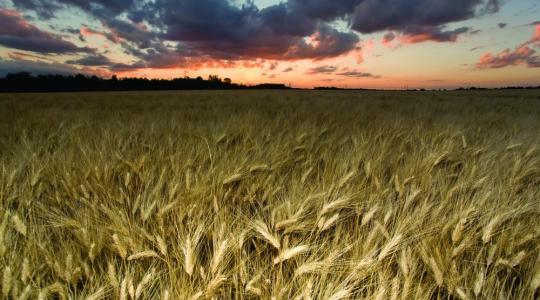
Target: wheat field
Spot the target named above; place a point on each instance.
(270, 195)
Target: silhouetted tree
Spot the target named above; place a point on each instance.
(214, 78)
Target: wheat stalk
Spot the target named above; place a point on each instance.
(124, 289)
(389, 247)
(25, 294)
(143, 254)
(490, 227)
(369, 215)
(143, 283)
(479, 284)
(218, 256)
(290, 253)
(6, 282)
(162, 245)
(119, 246)
(341, 294)
(19, 225)
(97, 294)
(215, 284)
(328, 223)
(232, 179)
(262, 229)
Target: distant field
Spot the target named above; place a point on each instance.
(270, 195)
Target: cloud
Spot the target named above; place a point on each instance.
(36, 67)
(388, 38)
(47, 8)
(414, 35)
(272, 66)
(44, 9)
(324, 43)
(129, 31)
(323, 9)
(536, 36)
(17, 33)
(417, 21)
(375, 15)
(345, 72)
(289, 69)
(87, 31)
(91, 60)
(322, 70)
(164, 33)
(358, 74)
(16, 55)
(521, 55)
(418, 34)
(220, 30)
(483, 46)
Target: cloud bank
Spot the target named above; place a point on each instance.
(188, 33)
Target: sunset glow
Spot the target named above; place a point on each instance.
(304, 43)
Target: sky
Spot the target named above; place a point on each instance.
(386, 44)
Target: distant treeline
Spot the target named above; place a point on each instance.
(26, 82)
(333, 88)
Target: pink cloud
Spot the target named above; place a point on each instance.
(536, 36)
(521, 55)
(86, 31)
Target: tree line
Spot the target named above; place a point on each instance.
(26, 82)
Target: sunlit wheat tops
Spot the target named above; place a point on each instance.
(270, 195)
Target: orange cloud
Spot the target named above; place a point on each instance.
(536, 36)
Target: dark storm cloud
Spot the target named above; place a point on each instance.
(129, 31)
(222, 30)
(327, 42)
(17, 33)
(375, 15)
(419, 20)
(323, 9)
(291, 30)
(47, 8)
(282, 20)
